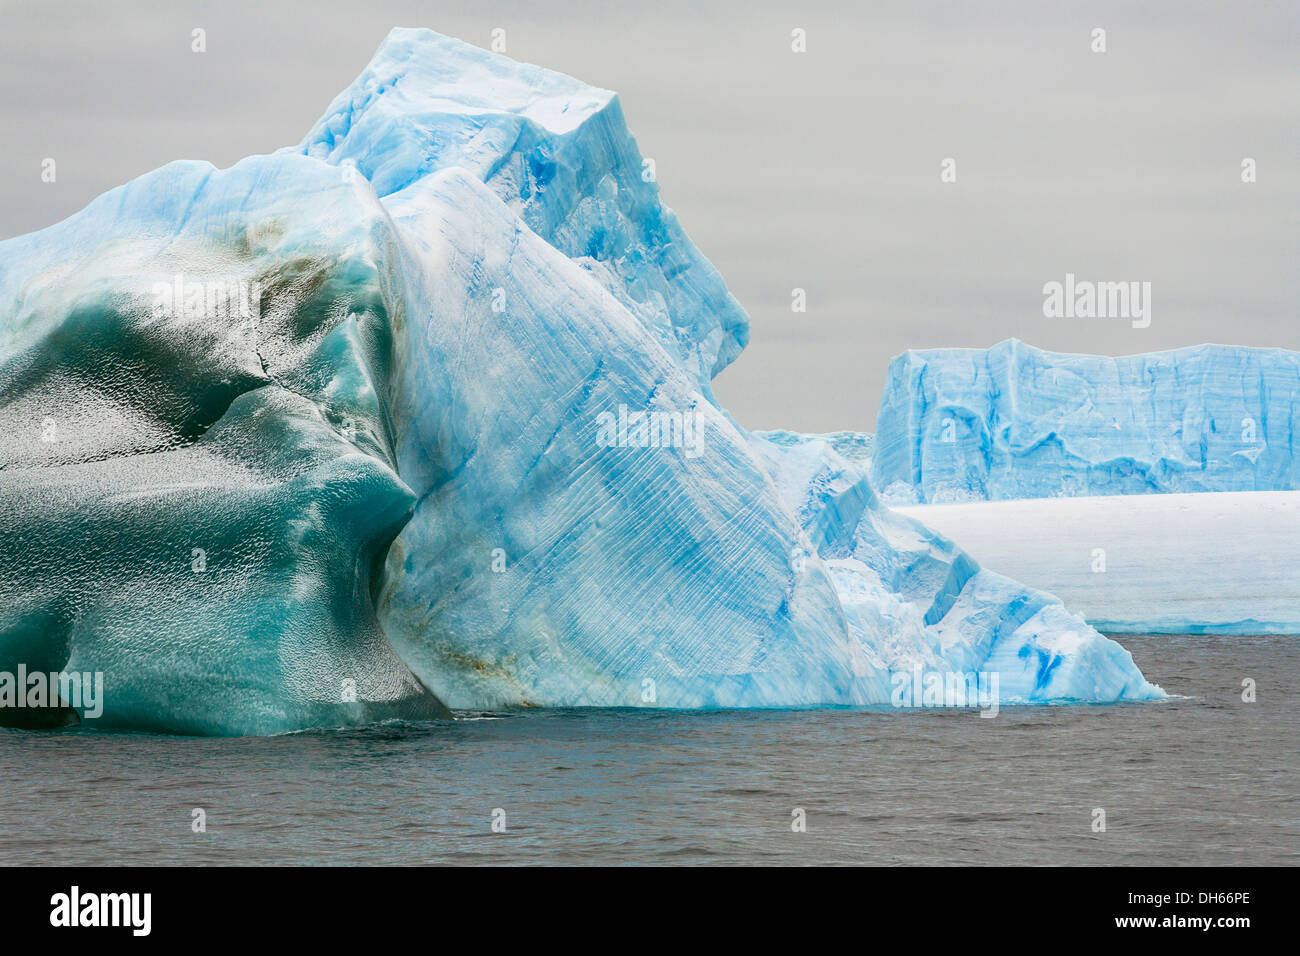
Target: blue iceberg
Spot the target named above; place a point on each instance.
(197, 482)
(1014, 422)
(417, 415)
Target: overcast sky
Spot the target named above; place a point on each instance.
(816, 170)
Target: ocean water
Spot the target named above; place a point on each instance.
(1204, 779)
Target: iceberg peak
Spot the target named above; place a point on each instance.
(557, 152)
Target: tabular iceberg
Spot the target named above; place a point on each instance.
(417, 414)
(1014, 421)
(1219, 562)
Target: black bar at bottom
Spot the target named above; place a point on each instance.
(650, 907)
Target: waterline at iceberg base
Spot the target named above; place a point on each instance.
(322, 439)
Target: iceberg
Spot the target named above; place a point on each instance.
(417, 415)
(197, 487)
(1015, 422)
(1149, 475)
(1220, 562)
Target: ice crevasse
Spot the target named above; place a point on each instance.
(417, 414)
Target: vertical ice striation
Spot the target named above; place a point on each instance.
(1014, 421)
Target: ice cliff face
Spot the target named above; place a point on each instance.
(419, 414)
(1017, 422)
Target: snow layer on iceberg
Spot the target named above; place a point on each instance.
(1013, 421)
(1146, 565)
